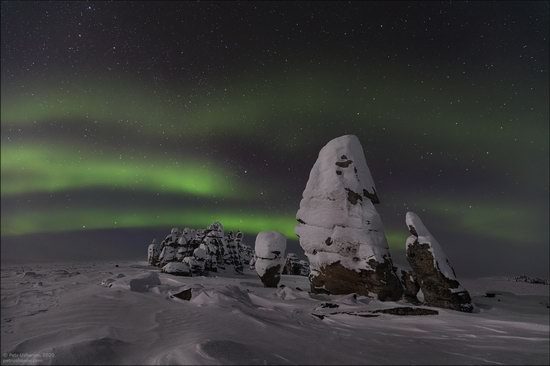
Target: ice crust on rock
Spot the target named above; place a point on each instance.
(434, 273)
(270, 256)
(339, 228)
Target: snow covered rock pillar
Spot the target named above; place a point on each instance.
(270, 257)
(433, 270)
(340, 230)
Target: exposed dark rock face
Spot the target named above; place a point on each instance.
(410, 285)
(434, 273)
(184, 295)
(272, 276)
(339, 280)
(407, 311)
(372, 196)
(295, 266)
(353, 197)
(340, 230)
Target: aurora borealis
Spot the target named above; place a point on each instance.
(146, 115)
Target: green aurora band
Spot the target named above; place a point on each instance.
(240, 109)
(365, 103)
(28, 168)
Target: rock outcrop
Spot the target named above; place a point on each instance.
(202, 251)
(270, 251)
(433, 271)
(339, 228)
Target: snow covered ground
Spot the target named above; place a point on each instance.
(98, 313)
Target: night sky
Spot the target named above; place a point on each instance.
(120, 120)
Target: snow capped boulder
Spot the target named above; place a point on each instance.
(435, 275)
(177, 268)
(153, 252)
(339, 228)
(270, 250)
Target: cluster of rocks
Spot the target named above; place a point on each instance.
(532, 280)
(197, 251)
(343, 237)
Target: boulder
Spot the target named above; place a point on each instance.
(270, 250)
(177, 268)
(435, 274)
(339, 228)
(153, 253)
